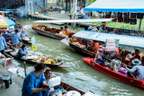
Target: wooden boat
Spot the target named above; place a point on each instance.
(49, 32)
(115, 75)
(33, 62)
(85, 52)
(28, 42)
(68, 87)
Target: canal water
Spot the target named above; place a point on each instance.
(77, 73)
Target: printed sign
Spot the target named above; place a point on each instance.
(111, 44)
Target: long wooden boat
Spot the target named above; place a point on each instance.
(82, 51)
(115, 75)
(30, 61)
(49, 32)
(68, 87)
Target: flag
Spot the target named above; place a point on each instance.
(34, 47)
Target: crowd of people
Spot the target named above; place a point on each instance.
(12, 38)
(119, 60)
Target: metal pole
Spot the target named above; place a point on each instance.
(25, 69)
(140, 25)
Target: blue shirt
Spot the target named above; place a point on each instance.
(140, 71)
(30, 82)
(22, 52)
(24, 34)
(15, 39)
(3, 43)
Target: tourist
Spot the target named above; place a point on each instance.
(136, 54)
(34, 84)
(137, 72)
(142, 60)
(22, 52)
(128, 58)
(136, 62)
(115, 64)
(99, 58)
(3, 44)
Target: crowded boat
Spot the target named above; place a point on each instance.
(118, 59)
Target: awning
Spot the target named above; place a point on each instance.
(75, 20)
(123, 39)
(135, 6)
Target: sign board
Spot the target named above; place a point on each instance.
(111, 44)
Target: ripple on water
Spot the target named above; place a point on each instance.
(85, 82)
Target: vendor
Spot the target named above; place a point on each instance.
(24, 34)
(3, 44)
(15, 38)
(22, 51)
(34, 82)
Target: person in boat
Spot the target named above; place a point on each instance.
(7, 35)
(99, 58)
(136, 54)
(61, 33)
(22, 52)
(136, 72)
(128, 58)
(115, 64)
(135, 62)
(35, 83)
(15, 39)
(67, 31)
(89, 45)
(3, 44)
(142, 60)
(93, 28)
(103, 27)
(24, 34)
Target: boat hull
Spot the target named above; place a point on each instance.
(115, 75)
(51, 32)
(31, 62)
(82, 51)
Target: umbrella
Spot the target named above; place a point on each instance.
(6, 22)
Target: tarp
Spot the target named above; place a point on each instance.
(132, 41)
(116, 6)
